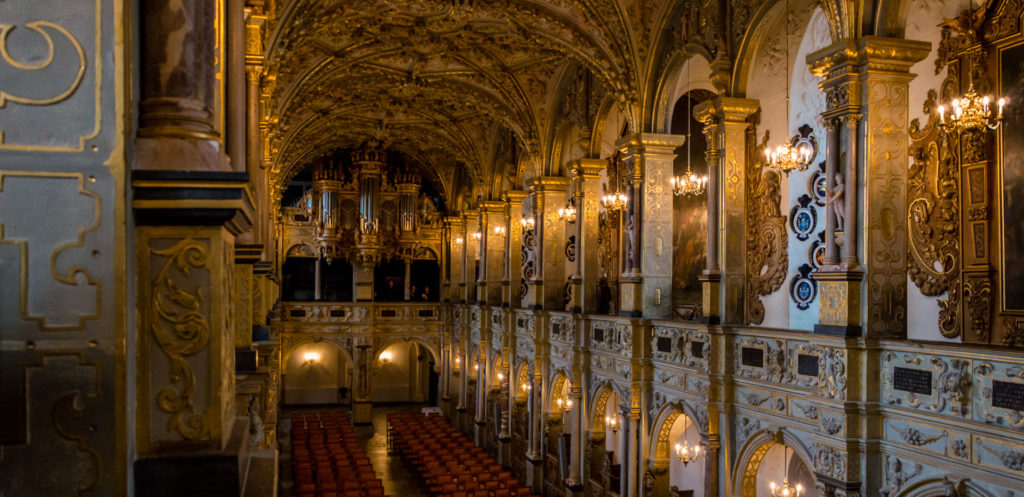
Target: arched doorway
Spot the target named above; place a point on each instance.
(402, 372)
(608, 422)
(317, 372)
(772, 457)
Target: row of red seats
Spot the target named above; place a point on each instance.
(446, 462)
(327, 460)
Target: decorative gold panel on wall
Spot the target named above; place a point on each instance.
(767, 240)
(63, 370)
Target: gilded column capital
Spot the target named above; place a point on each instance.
(588, 168)
(867, 54)
(548, 184)
(723, 110)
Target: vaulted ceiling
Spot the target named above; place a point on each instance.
(438, 80)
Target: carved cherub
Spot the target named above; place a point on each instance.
(834, 196)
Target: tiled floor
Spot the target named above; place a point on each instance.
(398, 481)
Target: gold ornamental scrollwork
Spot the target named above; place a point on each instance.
(38, 26)
(933, 217)
(767, 240)
(181, 331)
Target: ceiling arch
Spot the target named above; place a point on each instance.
(432, 78)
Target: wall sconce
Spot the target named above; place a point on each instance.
(499, 230)
(612, 422)
(501, 377)
(459, 240)
(525, 387)
(311, 358)
(528, 223)
(476, 236)
(385, 357)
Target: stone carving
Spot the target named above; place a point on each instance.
(832, 379)
(767, 240)
(831, 425)
(933, 216)
(897, 474)
(916, 437)
(745, 427)
(181, 329)
(830, 461)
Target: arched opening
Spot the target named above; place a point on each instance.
(773, 458)
(685, 477)
(336, 283)
(689, 212)
(403, 372)
(389, 281)
(317, 372)
(425, 278)
(298, 279)
(608, 423)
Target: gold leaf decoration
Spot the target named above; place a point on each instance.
(181, 331)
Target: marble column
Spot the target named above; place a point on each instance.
(511, 286)
(483, 379)
(180, 107)
(471, 255)
(586, 271)
(646, 283)
(575, 480)
(408, 280)
(725, 121)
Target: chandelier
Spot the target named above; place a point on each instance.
(612, 422)
(689, 183)
(971, 113)
(564, 404)
(684, 452)
(615, 201)
(568, 213)
(786, 490)
(788, 156)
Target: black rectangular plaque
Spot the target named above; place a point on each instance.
(1008, 395)
(388, 313)
(520, 323)
(697, 349)
(337, 313)
(807, 365)
(912, 380)
(753, 357)
(297, 313)
(598, 334)
(426, 313)
(665, 345)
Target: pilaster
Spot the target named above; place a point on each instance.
(586, 192)
(546, 253)
(725, 121)
(492, 256)
(866, 83)
(512, 283)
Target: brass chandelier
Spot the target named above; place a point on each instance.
(786, 489)
(971, 112)
(684, 452)
(788, 156)
(688, 184)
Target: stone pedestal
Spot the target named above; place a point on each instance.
(362, 413)
(839, 311)
(535, 474)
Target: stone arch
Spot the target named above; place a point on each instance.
(753, 452)
(607, 128)
(672, 85)
(762, 25)
(931, 487)
(601, 395)
(662, 427)
(300, 250)
(559, 379)
(300, 342)
(387, 343)
(524, 376)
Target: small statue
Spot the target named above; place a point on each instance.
(255, 423)
(834, 196)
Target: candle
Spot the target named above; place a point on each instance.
(1002, 102)
(942, 113)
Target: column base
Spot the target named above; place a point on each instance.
(210, 474)
(711, 288)
(535, 473)
(631, 296)
(839, 311)
(362, 413)
(534, 298)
